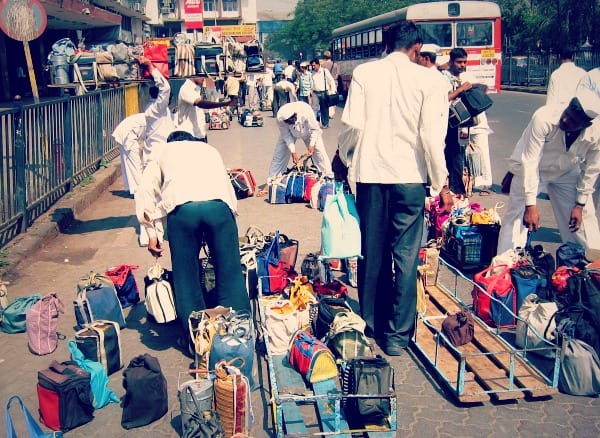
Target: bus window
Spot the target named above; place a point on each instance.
(474, 33)
(437, 33)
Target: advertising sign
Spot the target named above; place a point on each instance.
(193, 18)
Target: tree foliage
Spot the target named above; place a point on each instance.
(527, 24)
(310, 29)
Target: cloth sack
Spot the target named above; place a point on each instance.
(579, 368)
(539, 316)
(340, 229)
(125, 284)
(14, 315)
(102, 394)
(41, 321)
(146, 396)
(459, 327)
(281, 321)
(346, 337)
(202, 424)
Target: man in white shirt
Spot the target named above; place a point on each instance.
(296, 120)
(159, 120)
(130, 135)
(323, 84)
(559, 147)
(199, 204)
(284, 92)
(191, 106)
(392, 142)
(289, 72)
(564, 80)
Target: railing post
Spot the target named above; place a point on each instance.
(19, 166)
(100, 125)
(527, 71)
(510, 66)
(68, 145)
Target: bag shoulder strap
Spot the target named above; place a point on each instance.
(33, 429)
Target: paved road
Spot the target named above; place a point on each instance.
(104, 235)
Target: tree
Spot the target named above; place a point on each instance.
(314, 20)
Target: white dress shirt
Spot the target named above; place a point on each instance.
(563, 83)
(130, 132)
(306, 126)
(159, 121)
(190, 118)
(541, 155)
(185, 171)
(397, 123)
(322, 79)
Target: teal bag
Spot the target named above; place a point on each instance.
(340, 228)
(13, 316)
(102, 394)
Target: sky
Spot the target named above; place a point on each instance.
(275, 9)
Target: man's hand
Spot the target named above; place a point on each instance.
(531, 218)
(295, 157)
(311, 150)
(154, 247)
(465, 86)
(145, 62)
(576, 218)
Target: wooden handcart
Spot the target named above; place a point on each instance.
(489, 366)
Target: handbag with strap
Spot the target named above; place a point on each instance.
(14, 315)
(340, 229)
(495, 281)
(332, 99)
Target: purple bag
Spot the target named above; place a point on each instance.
(41, 322)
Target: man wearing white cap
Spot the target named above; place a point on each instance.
(560, 147)
(297, 120)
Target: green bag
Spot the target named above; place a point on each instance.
(13, 317)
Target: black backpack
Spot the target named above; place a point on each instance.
(146, 398)
(327, 307)
(476, 100)
(367, 375)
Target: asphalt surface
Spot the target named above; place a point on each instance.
(94, 228)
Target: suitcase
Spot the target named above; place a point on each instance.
(243, 183)
(97, 300)
(250, 118)
(87, 68)
(100, 341)
(65, 396)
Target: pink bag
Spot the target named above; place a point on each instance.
(41, 322)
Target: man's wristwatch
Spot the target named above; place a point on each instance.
(579, 204)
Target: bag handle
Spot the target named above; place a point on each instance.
(34, 430)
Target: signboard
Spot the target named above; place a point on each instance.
(247, 30)
(23, 20)
(193, 17)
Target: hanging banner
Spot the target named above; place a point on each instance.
(248, 30)
(192, 10)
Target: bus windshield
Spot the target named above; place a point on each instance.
(437, 33)
(474, 33)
